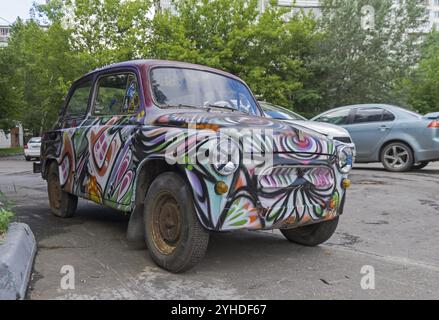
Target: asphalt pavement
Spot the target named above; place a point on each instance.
(389, 231)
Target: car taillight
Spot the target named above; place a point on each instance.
(434, 124)
(25, 146)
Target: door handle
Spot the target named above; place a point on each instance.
(384, 128)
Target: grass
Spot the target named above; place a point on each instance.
(10, 151)
(5, 216)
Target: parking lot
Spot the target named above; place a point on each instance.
(391, 223)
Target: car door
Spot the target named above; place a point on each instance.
(368, 128)
(110, 172)
(67, 139)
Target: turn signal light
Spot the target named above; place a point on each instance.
(221, 187)
(346, 183)
(434, 124)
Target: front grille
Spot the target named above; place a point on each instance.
(343, 139)
(281, 177)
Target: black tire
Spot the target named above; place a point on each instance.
(28, 158)
(420, 165)
(397, 157)
(175, 238)
(62, 204)
(311, 235)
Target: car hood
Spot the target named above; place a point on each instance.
(286, 135)
(323, 128)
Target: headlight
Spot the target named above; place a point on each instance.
(345, 158)
(225, 158)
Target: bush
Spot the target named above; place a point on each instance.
(5, 216)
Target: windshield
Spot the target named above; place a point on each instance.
(35, 140)
(196, 88)
(279, 113)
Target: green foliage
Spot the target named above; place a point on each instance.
(356, 65)
(421, 88)
(303, 63)
(265, 50)
(5, 216)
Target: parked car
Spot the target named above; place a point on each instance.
(32, 148)
(399, 138)
(280, 113)
(125, 139)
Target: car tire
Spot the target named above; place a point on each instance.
(175, 238)
(28, 158)
(311, 235)
(62, 204)
(420, 165)
(397, 157)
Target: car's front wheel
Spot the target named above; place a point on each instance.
(28, 158)
(62, 204)
(312, 235)
(175, 238)
(397, 157)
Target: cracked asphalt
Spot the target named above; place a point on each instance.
(391, 222)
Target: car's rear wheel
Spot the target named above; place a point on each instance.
(312, 235)
(28, 158)
(62, 204)
(420, 165)
(397, 157)
(175, 238)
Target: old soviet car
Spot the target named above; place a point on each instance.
(126, 138)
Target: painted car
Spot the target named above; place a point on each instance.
(401, 139)
(280, 113)
(185, 150)
(32, 148)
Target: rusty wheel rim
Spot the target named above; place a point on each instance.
(166, 223)
(54, 191)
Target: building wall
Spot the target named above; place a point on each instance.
(4, 35)
(12, 139)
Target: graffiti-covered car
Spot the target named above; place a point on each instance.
(183, 149)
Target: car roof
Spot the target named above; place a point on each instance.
(151, 63)
(395, 109)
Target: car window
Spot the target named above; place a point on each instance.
(78, 103)
(368, 115)
(388, 116)
(35, 140)
(116, 95)
(337, 117)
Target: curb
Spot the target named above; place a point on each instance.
(17, 255)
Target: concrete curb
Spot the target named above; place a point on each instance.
(17, 255)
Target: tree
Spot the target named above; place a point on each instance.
(421, 88)
(359, 62)
(267, 51)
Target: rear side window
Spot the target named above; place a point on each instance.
(368, 115)
(338, 117)
(116, 95)
(78, 103)
(388, 116)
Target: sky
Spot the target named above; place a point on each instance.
(11, 9)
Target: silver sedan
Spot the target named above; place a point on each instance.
(399, 138)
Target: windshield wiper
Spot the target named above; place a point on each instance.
(222, 107)
(180, 105)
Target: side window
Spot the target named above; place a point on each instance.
(116, 95)
(78, 102)
(339, 117)
(368, 115)
(388, 116)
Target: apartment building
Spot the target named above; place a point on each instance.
(5, 32)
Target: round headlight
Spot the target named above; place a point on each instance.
(225, 158)
(345, 158)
